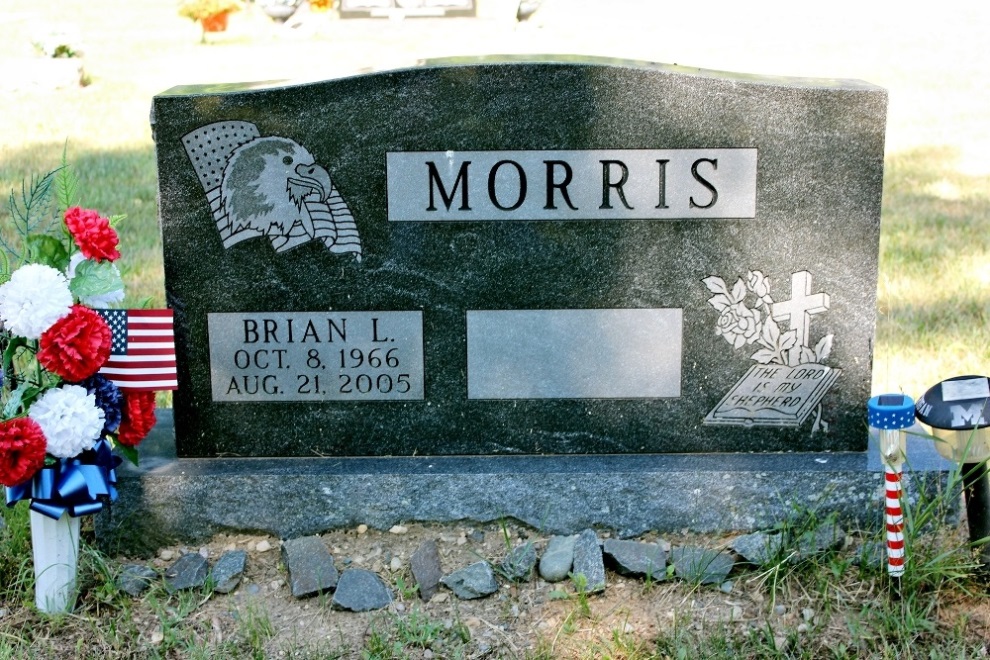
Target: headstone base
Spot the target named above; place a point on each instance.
(169, 500)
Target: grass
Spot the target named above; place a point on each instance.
(831, 603)
(107, 622)
(934, 271)
(394, 637)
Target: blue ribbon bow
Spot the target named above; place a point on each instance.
(79, 485)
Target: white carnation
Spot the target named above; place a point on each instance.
(35, 297)
(102, 300)
(70, 419)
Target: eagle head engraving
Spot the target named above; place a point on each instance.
(266, 182)
(269, 186)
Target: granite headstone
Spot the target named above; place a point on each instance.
(543, 256)
(399, 9)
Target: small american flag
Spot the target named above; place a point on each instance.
(142, 352)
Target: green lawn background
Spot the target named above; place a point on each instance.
(935, 245)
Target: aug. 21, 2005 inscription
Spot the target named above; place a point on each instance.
(316, 356)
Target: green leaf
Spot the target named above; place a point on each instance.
(31, 392)
(14, 403)
(66, 184)
(95, 279)
(8, 354)
(117, 219)
(47, 250)
(130, 453)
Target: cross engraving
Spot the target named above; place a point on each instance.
(798, 310)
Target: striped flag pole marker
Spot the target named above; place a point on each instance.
(894, 517)
(891, 415)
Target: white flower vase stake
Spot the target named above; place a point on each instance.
(55, 544)
(54, 397)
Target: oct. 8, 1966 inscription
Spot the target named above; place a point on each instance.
(316, 356)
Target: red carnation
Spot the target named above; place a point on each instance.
(22, 450)
(95, 237)
(138, 417)
(77, 345)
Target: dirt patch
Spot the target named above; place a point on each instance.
(518, 620)
(824, 606)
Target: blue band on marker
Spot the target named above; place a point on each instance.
(891, 412)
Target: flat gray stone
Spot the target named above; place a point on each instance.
(588, 561)
(557, 559)
(135, 579)
(474, 581)
(518, 565)
(310, 566)
(759, 548)
(188, 572)
(426, 569)
(827, 536)
(228, 570)
(359, 590)
(636, 559)
(701, 565)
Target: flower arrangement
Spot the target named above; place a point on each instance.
(197, 10)
(60, 417)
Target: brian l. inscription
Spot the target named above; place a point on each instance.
(312, 356)
(630, 184)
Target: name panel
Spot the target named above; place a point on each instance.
(316, 356)
(574, 354)
(630, 184)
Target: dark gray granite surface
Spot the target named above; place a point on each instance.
(813, 238)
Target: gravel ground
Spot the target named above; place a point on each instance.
(517, 620)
